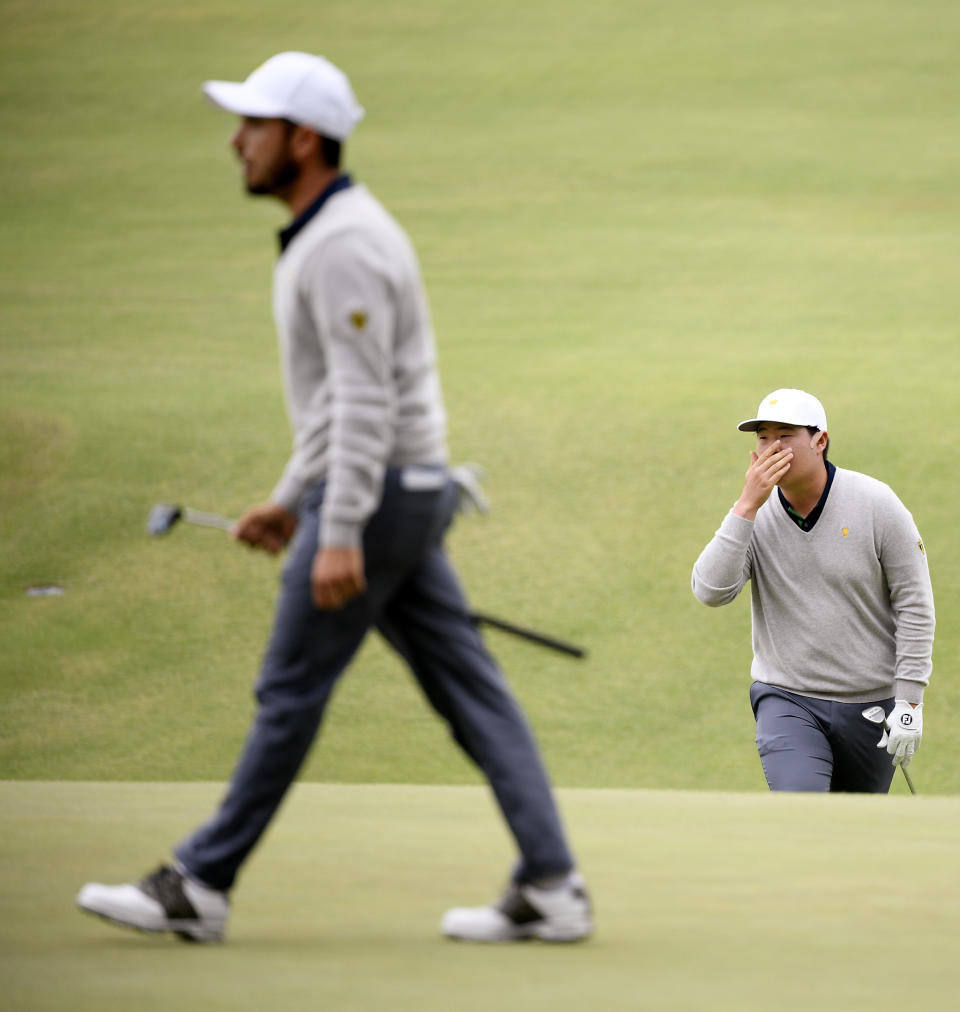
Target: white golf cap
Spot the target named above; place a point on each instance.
(792, 407)
(304, 89)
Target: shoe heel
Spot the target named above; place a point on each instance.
(572, 929)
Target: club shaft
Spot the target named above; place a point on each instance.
(903, 769)
(480, 618)
(206, 519)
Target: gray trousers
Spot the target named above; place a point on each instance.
(414, 599)
(808, 744)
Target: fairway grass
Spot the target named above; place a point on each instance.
(720, 901)
(633, 220)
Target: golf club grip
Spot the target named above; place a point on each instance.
(481, 618)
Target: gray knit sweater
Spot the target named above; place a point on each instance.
(844, 611)
(359, 365)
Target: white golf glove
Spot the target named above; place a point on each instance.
(904, 728)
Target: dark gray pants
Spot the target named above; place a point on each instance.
(414, 599)
(808, 744)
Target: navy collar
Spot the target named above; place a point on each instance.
(286, 235)
(806, 523)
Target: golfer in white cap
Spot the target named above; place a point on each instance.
(363, 504)
(842, 606)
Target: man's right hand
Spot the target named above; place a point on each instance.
(763, 475)
(904, 729)
(269, 526)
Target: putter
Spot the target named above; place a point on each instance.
(164, 517)
(876, 716)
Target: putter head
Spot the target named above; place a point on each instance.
(162, 518)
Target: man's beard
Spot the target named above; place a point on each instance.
(279, 178)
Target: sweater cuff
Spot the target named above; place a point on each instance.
(911, 691)
(288, 493)
(339, 534)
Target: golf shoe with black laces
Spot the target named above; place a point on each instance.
(166, 900)
(561, 913)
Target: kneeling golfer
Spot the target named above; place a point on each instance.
(363, 504)
(841, 600)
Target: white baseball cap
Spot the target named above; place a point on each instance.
(792, 407)
(304, 89)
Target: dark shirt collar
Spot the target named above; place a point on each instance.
(286, 235)
(806, 523)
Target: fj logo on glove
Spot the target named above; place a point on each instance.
(906, 719)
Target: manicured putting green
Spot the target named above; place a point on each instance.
(719, 901)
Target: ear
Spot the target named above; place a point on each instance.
(304, 144)
(819, 441)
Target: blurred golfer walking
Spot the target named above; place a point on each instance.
(363, 505)
(843, 612)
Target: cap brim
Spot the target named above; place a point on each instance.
(752, 424)
(237, 97)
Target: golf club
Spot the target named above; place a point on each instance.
(876, 716)
(164, 517)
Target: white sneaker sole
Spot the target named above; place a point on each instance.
(457, 926)
(190, 930)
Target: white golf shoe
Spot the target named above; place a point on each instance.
(558, 914)
(166, 900)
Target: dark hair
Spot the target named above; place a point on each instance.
(331, 151)
(813, 430)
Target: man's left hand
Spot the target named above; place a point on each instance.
(337, 577)
(904, 730)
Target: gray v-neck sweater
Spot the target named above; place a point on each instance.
(359, 362)
(844, 611)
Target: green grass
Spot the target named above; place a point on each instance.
(737, 902)
(634, 219)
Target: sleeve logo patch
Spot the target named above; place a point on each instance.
(844, 531)
(923, 550)
(358, 318)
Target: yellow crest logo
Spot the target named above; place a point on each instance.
(359, 319)
(923, 550)
(845, 531)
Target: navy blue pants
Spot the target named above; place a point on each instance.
(414, 599)
(808, 744)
